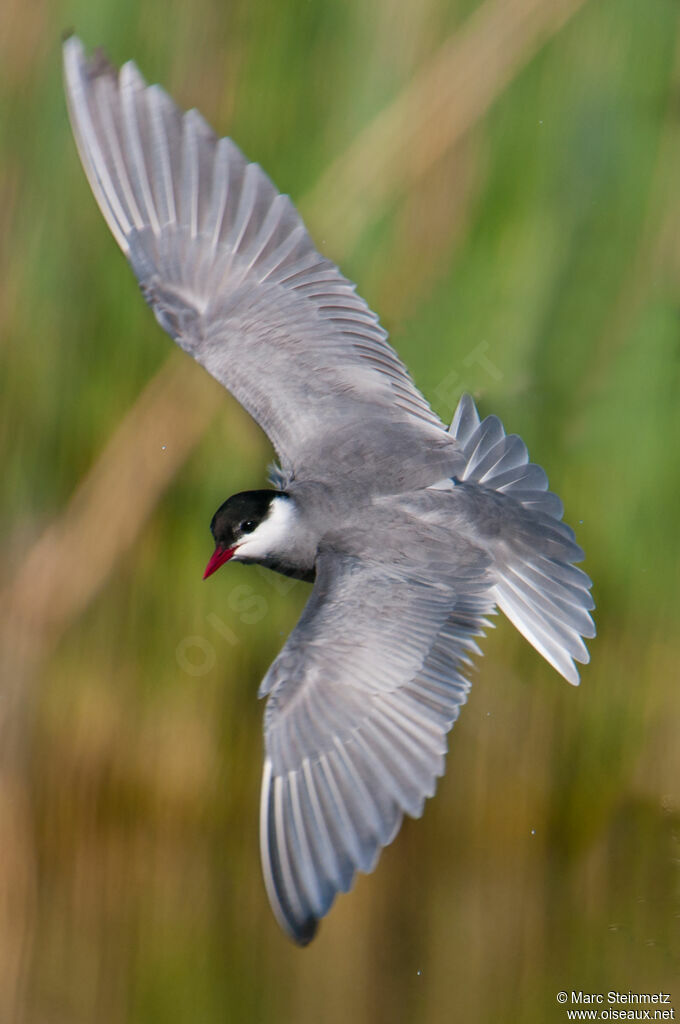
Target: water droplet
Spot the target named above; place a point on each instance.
(163, 447)
(533, 831)
(419, 972)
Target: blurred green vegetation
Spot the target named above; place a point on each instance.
(536, 264)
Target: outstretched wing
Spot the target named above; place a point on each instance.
(360, 701)
(229, 269)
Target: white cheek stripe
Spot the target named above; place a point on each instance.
(272, 534)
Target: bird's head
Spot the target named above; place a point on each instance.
(249, 527)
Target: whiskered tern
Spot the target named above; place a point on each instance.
(412, 533)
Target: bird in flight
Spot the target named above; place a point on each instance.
(411, 532)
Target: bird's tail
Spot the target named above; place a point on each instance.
(537, 587)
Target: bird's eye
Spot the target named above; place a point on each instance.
(248, 526)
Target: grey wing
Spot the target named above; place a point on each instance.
(228, 267)
(361, 699)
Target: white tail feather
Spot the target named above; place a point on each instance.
(539, 590)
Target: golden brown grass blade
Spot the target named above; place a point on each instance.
(447, 98)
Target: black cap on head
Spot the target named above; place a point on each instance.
(240, 515)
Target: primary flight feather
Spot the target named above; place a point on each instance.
(411, 533)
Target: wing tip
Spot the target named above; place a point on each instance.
(75, 58)
(572, 675)
(304, 933)
(300, 930)
(70, 42)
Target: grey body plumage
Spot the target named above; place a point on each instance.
(413, 534)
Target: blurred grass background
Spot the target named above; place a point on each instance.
(501, 180)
